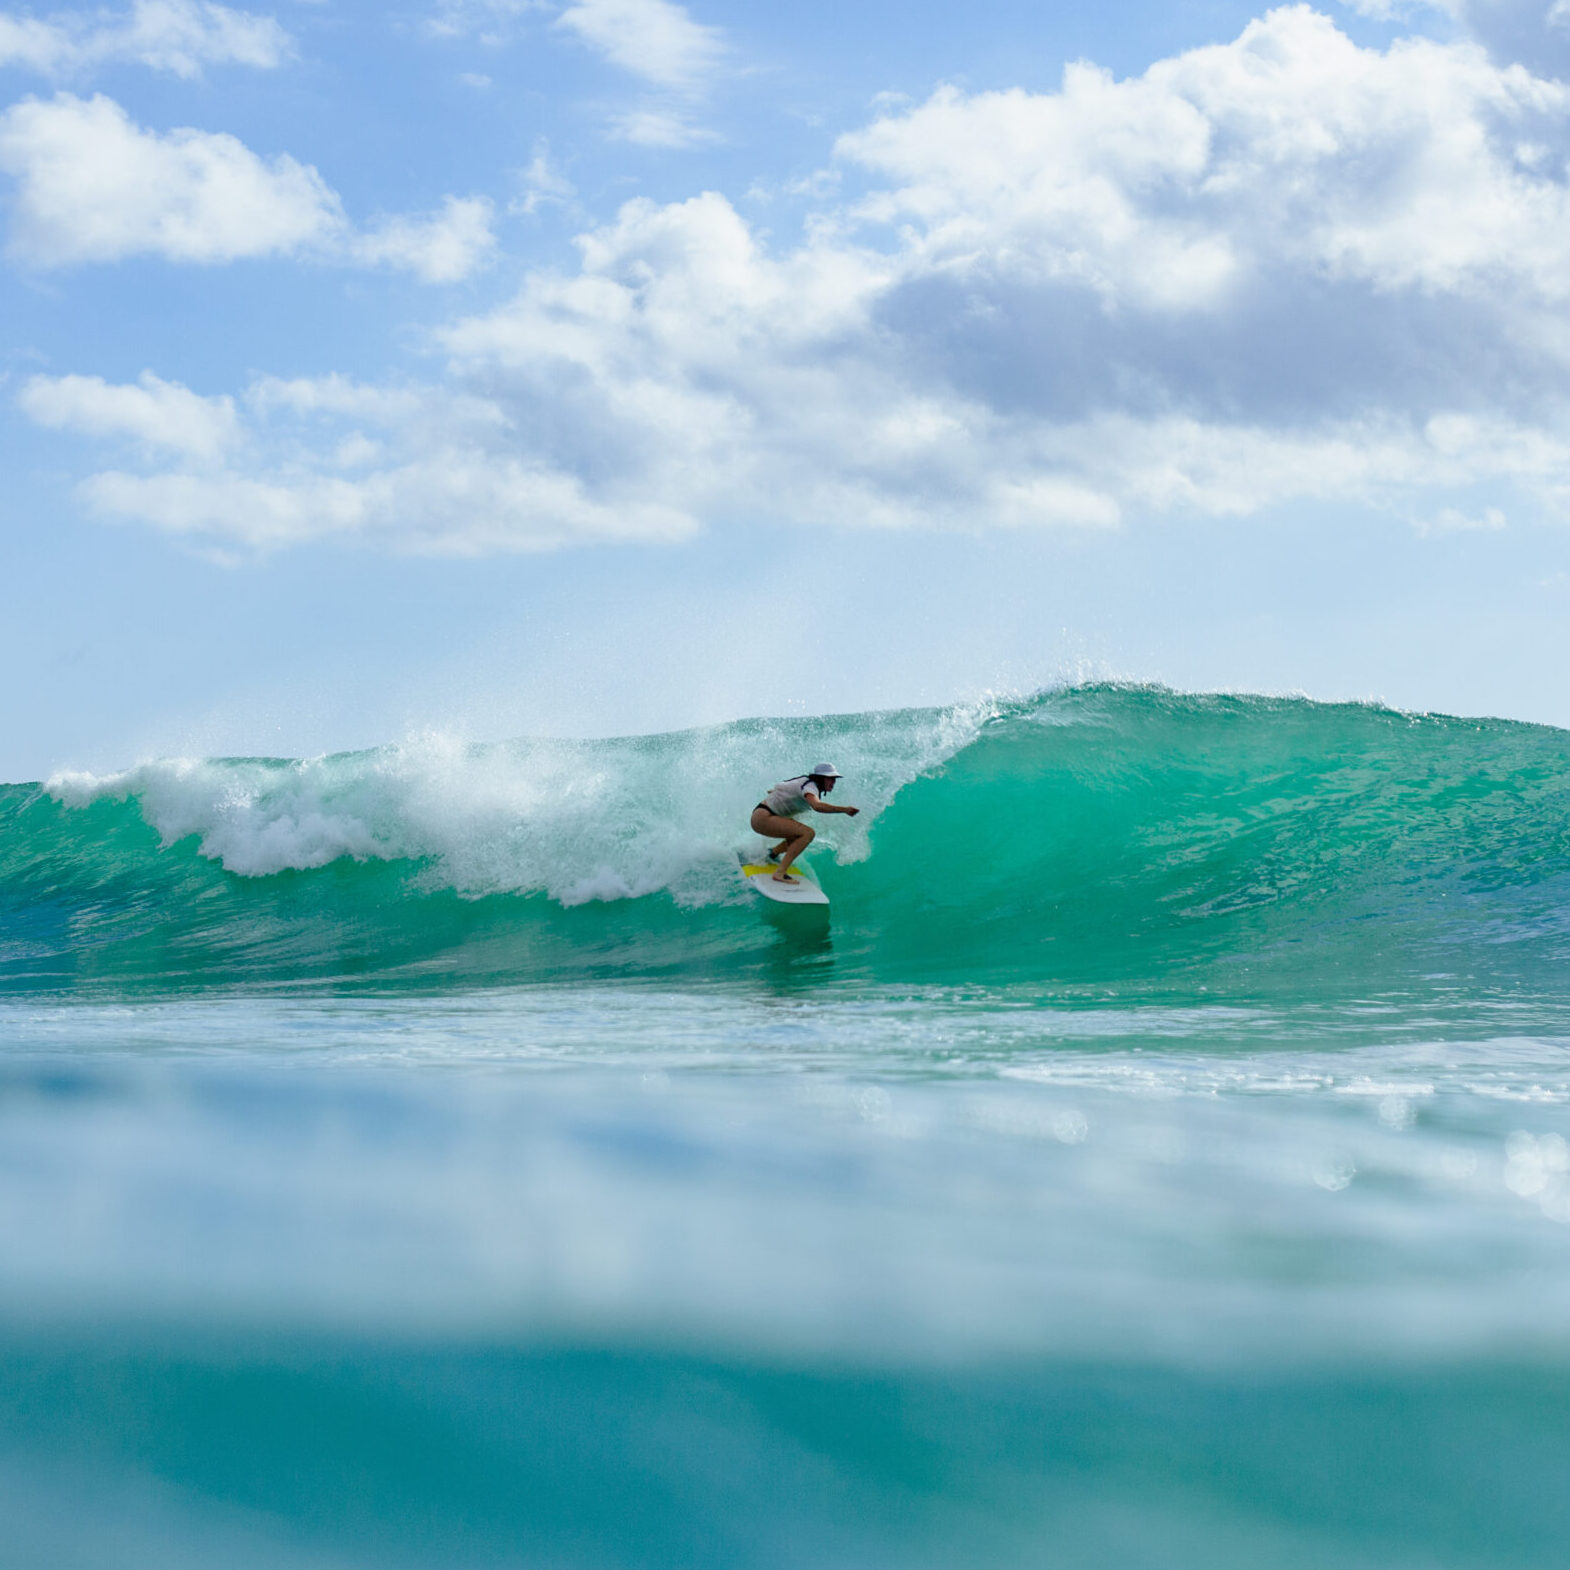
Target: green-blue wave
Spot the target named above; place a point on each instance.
(1095, 839)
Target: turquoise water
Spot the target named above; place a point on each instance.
(436, 1157)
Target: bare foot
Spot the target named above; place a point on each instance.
(784, 877)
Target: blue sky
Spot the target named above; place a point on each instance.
(612, 365)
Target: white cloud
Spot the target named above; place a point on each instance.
(652, 39)
(448, 503)
(334, 396)
(1451, 520)
(656, 41)
(158, 413)
(28, 42)
(411, 469)
(440, 247)
(542, 182)
(181, 36)
(1283, 268)
(1290, 147)
(660, 43)
(92, 186)
(659, 128)
(493, 22)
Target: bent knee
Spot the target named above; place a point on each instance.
(807, 831)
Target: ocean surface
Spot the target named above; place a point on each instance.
(1156, 1160)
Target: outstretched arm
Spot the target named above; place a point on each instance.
(819, 805)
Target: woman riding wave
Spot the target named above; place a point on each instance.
(775, 816)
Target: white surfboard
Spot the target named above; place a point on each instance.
(804, 891)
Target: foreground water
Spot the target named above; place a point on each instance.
(1160, 1158)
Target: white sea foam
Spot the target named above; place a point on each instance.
(576, 820)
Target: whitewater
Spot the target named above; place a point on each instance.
(436, 1156)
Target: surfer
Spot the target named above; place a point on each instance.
(775, 816)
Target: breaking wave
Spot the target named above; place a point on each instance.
(1090, 838)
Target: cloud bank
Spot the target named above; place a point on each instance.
(1278, 269)
(292, 461)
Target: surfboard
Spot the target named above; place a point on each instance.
(760, 874)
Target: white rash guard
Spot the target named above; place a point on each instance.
(789, 798)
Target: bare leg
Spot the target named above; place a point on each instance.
(793, 838)
(802, 838)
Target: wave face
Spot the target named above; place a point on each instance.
(1099, 839)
